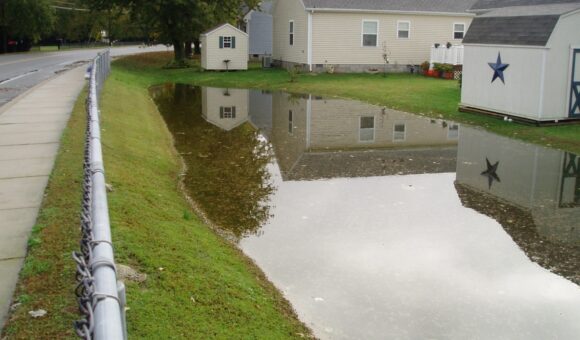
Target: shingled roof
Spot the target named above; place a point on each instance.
(491, 4)
(433, 6)
(518, 25)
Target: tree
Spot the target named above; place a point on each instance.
(24, 20)
(181, 21)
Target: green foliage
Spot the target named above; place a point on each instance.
(294, 72)
(425, 65)
(26, 19)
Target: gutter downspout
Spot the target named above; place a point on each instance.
(309, 49)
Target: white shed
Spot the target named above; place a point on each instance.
(224, 48)
(225, 108)
(523, 61)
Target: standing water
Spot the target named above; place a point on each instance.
(377, 224)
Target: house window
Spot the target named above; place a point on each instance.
(403, 29)
(367, 129)
(291, 30)
(227, 42)
(290, 122)
(453, 132)
(399, 133)
(227, 112)
(370, 31)
(458, 31)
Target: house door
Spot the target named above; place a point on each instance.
(575, 91)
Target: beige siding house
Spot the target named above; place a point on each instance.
(224, 48)
(354, 36)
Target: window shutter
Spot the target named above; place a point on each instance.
(233, 112)
(233, 42)
(221, 42)
(221, 111)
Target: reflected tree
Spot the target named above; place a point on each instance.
(227, 172)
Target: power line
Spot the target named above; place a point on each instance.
(71, 8)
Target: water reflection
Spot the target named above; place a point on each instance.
(536, 200)
(385, 224)
(226, 162)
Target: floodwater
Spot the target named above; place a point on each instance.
(377, 224)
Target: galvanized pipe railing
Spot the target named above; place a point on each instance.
(101, 297)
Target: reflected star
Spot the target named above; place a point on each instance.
(491, 172)
(498, 69)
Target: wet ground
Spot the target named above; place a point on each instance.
(377, 224)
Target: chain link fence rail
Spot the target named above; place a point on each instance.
(100, 296)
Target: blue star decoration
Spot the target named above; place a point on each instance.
(491, 172)
(498, 69)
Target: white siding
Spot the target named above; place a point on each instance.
(212, 56)
(557, 81)
(284, 11)
(337, 37)
(521, 93)
(215, 98)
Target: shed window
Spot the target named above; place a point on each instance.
(291, 32)
(367, 129)
(458, 31)
(370, 31)
(227, 42)
(227, 112)
(403, 29)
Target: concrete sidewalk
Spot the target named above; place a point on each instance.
(30, 130)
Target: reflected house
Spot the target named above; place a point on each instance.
(261, 111)
(225, 108)
(535, 195)
(317, 137)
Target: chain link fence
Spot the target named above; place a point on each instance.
(101, 297)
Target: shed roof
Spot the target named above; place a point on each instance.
(491, 4)
(433, 6)
(215, 28)
(529, 25)
(532, 30)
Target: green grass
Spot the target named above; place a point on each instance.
(416, 94)
(199, 286)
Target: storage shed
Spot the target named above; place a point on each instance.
(523, 60)
(224, 48)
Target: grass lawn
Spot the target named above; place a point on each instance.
(416, 94)
(198, 287)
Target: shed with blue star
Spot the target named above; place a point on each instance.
(522, 60)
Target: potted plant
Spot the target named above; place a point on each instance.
(438, 68)
(447, 70)
(425, 67)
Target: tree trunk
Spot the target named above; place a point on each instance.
(188, 51)
(3, 28)
(197, 46)
(178, 52)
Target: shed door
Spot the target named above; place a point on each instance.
(575, 91)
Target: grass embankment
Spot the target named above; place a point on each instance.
(417, 94)
(198, 287)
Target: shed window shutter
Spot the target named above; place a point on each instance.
(233, 42)
(221, 111)
(233, 112)
(221, 42)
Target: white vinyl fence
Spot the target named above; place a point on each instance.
(443, 55)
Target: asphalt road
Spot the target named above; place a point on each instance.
(22, 71)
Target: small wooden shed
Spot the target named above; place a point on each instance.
(523, 61)
(224, 48)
